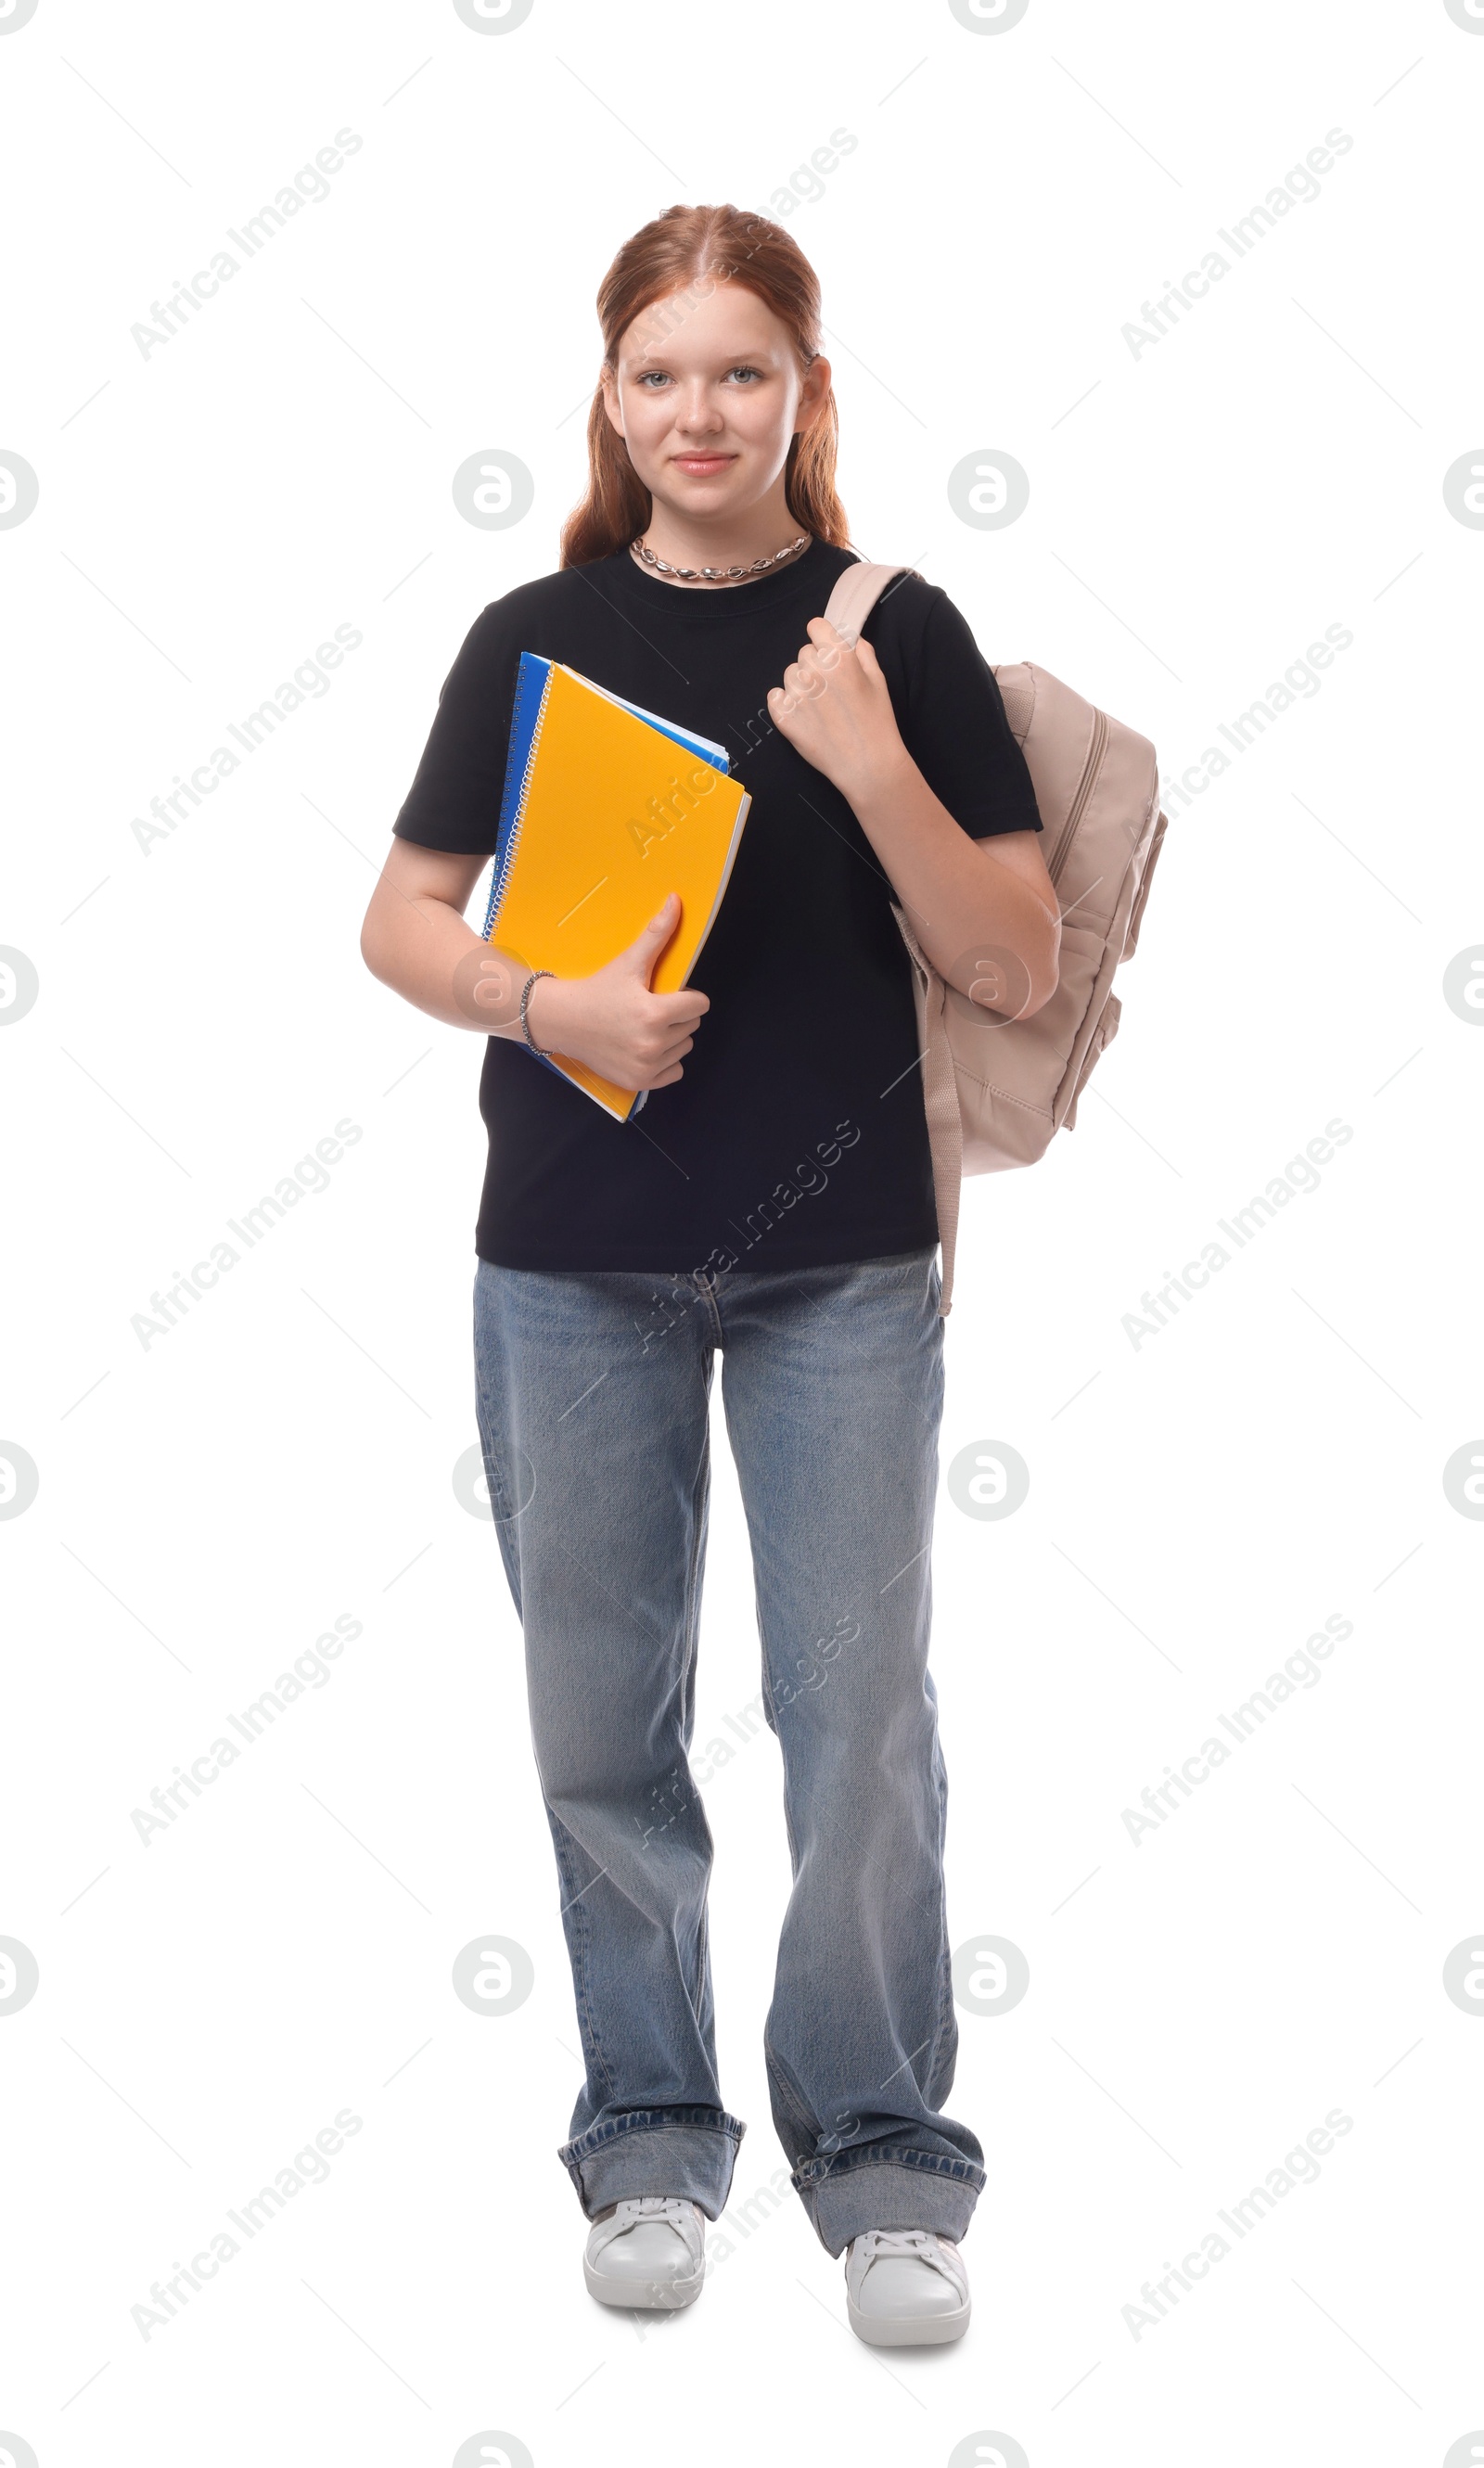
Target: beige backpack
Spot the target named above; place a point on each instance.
(994, 1091)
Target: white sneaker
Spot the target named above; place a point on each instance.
(905, 2288)
(647, 2253)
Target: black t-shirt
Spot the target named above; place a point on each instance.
(795, 1136)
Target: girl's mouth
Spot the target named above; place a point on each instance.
(703, 466)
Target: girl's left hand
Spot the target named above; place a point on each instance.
(834, 705)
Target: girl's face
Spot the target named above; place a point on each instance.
(709, 396)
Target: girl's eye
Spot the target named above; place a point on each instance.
(654, 377)
(744, 372)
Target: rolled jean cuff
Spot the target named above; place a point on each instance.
(685, 2152)
(910, 2192)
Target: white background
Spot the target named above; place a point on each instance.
(1197, 1506)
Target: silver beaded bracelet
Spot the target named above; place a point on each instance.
(525, 997)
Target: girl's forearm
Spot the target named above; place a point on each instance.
(418, 944)
(958, 897)
(425, 951)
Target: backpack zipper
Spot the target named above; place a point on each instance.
(1083, 792)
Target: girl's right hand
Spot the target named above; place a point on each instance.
(612, 1022)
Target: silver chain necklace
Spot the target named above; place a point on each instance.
(716, 573)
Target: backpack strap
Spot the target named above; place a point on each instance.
(857, 593)
(851, 603)
(940, 1101)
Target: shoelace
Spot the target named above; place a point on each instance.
(914, 2243)
(675, 2213)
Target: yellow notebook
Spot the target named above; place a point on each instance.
(607, 808)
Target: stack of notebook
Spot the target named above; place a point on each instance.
(606, 810)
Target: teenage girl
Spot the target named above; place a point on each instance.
(772, 1200)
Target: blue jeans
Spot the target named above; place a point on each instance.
(593, 1391)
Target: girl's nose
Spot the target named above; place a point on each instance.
(696, 409)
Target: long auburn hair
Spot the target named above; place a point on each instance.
(688, 250)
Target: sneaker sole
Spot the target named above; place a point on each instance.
(643, 2296)
(909, 2330)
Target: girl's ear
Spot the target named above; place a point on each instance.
(611, 403)
(812, 393)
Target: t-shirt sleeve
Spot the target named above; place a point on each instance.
(953, 723)
(454, 801)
